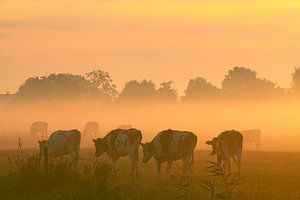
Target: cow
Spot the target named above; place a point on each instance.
(60, 143)
(91, 129)
(252, 136)
(39, 127)
(227, 145)
(169, 146)
(119, 143)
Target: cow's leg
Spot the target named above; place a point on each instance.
(225, 167)
(191, 161)
(113, 161)
(239, 161)
(158, 166)
(226, 154)
(133, 164)
(73, 159)
(72, 155)
(136, 154)
(187, 169)
(169, 166)
(186, 163)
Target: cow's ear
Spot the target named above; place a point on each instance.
(40, 141)
(208, 142)
(142, 145)
(94, 140)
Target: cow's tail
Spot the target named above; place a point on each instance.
(78, 146)
(193, 157)
(239, 148)
(239, 143)
(193, 152)
(138, 146)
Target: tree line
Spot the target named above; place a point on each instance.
(239, 83)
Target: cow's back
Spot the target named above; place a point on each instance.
(134, 136)
(232, 140)
(123, 141)
(62, 140)
(173, 145)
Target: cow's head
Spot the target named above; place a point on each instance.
(213, 143)
(100, 146)
(148, 151)
(42, 147)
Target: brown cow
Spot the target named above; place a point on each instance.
(227, 144)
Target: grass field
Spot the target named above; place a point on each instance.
(265, 175)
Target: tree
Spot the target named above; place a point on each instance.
(167, 92)
(56, 87)
(200, 89)
(296, 80)
(135, 90)
(243, 82)
(102, 80)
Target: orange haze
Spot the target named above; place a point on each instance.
(279, 124)
(158, 40)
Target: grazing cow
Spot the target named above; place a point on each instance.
(39, 128)
(171, 145)
(227, 144)
(252, 136)
(118, 143)
(91, 129)
(60, 143)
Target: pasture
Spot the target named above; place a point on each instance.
(265, 175)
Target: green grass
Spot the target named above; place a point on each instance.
(265, 175)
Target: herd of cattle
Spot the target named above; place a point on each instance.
(167, 146)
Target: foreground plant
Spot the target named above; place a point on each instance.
(219, 185)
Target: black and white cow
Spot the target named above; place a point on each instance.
(118, 143)
(60, 143)
(171, 145)
(227, 145)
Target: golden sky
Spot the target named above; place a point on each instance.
(158, 40)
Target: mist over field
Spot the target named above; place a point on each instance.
(277, 120)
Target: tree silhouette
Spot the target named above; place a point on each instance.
(135, 90)
(243, 82)
(102, 80)
(166, 92)
(296, 81)
(200, 89)
(56, 87)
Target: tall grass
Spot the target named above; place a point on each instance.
(219, 185)
(25, 178)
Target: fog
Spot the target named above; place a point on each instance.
(278, 121)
